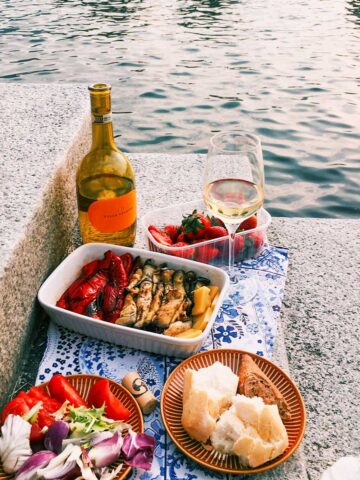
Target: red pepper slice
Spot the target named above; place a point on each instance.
(36, 433)
(90, 268)
(38, 394)
(127, 261)
(101, 394)
(61, 389)
(16, 406)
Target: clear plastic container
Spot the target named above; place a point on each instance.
(248, 244)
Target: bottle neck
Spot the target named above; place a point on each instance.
(102, 128)
(103, 136)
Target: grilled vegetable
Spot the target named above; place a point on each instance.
(128, 312)
(134, 280)
(178, 327)
(156, 301)
(143, 303)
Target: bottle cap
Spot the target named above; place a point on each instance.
(99, 87)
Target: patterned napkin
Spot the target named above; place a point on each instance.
(251, 327)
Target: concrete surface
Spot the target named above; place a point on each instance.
(320, 328)
(44, 133)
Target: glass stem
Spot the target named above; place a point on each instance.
(231, 228)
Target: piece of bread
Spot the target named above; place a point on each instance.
(252, 430)
(207, 393)
(254, 383)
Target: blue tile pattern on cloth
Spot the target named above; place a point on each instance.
(251, 327)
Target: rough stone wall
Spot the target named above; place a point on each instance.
(44, 132)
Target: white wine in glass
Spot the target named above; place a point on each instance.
(233, 188)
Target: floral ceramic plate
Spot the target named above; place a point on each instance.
(171, 410)
(83, 384)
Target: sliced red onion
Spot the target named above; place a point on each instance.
(62, 465)
(28, 471)
(54, 437)
(107, 451)
(107, 474)
(138, 449)
(100, 437)
(85, 465)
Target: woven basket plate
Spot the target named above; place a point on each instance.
(83, 384)
(171, 410)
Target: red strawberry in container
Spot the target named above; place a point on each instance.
(183, 253)
(258, 238)
(206, 253)
(160, 236)
(172, 231)
(240, 252)
(248, 224)
(195, 226)
(216, 232)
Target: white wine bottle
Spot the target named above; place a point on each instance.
(105, 180)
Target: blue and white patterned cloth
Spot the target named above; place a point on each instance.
(251, 327)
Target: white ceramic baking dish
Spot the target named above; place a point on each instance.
(69, 270)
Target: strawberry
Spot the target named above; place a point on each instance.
(195, 225)
(206, 253)
(216, 232)
(239, 247)
(216, 222)
(180, 237)
(159, 236)
(248, 224)
(186, 253)
(172, 231)
(257, 238)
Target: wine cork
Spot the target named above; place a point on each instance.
(140, 391)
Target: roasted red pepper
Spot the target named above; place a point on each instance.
(90, 268)
(100, 394)
(114, 291)
(127, 261)
(87, 292)
(99, 292)
(61, 389)
(94, 310)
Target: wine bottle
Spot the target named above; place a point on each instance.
(105, 180)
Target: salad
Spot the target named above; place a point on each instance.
(62, 437)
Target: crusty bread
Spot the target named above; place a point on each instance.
(207, 393)
(252, 430)
(254, 383)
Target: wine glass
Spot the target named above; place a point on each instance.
(233, 189)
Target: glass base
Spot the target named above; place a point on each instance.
(246, 288)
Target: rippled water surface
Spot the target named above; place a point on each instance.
(184, 69)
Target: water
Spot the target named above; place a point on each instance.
(182, 70)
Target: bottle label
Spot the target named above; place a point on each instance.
(101, 119)
(114, 214)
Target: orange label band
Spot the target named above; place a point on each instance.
(115, 214)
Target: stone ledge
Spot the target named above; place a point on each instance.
(45, 131)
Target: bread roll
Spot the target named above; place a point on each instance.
(254, 383)
(207, 393)
(252, 430)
